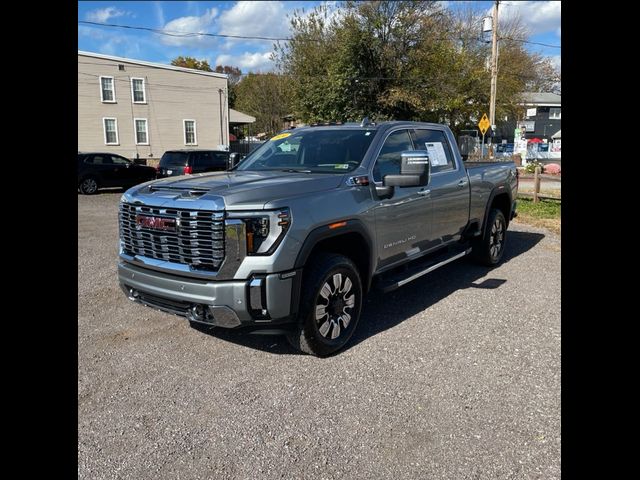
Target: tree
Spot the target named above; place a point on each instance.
(406, 60)
(235, 75)
(190, 62)
(266, 97)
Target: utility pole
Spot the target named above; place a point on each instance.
(494, 66)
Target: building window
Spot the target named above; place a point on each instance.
(110, 131)
(107, 90)
(190, 137)
(554, 114)
(137, 90)
(142, 136)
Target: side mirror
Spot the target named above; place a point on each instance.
(415, 170)
(234, 159)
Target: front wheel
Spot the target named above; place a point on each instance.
(330, 304)
(489, 248)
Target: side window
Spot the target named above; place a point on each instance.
(219, 159)
(388, 162)
(198, 160)
(96, 160)
(435, 142)
(119, 160)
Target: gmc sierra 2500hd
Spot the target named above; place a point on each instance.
(291, 239)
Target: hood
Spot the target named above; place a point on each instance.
(245, 189)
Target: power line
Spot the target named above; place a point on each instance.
(247, 37)
(183, 34)
(532, 43)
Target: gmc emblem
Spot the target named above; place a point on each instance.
(155, 223)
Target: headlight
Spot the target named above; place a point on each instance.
(265, 230)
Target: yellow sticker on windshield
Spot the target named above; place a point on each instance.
(282, 135)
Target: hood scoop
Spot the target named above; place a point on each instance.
(177, 192)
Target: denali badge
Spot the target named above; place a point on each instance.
(155, 223)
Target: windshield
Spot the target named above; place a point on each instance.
(315, 151)
(174, 159)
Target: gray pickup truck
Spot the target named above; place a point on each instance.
(290, 240)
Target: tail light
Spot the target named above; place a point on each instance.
(157, 168)
(188, 170)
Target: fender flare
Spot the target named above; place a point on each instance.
(497, 190)
(324, 232)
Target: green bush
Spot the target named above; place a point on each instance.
(531, 167)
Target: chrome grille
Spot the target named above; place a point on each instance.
(198, 239)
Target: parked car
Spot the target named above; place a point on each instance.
(292, 239)
(98, 170)
(188, 161)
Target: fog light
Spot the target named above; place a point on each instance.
(197, 313)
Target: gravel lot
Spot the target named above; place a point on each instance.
(455, 376)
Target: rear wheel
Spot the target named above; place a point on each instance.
(489, 248)
(88, 186)
(330, 305)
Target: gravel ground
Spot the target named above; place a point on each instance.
(454, 376)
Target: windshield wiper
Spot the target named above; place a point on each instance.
(294, 170)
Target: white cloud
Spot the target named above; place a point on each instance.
(95, 33)
(540, 17)
(191, 24)
(254, 62)
(556, 61)
(102, 15)
(266, 19)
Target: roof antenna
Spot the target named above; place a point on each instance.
(365, 122)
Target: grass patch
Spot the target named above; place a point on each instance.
(545, 213)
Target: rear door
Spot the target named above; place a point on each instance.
(402, 221)
(172, 163)
(123, 171)
(449, 186)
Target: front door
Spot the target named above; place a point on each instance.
(402, 221)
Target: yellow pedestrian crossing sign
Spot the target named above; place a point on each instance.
(484, 124)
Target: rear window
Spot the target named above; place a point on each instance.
(174, 159)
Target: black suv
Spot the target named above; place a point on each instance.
(184, 162)
(99, 170)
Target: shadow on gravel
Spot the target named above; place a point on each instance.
(382, 312)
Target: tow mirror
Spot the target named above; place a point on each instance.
(415, 170)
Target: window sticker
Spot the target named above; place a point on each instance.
(281, 136)
(436, 153)
(341, 166)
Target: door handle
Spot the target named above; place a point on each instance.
(462, 183)
(424, 193)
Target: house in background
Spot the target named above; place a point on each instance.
(542, 115)
(140, 109)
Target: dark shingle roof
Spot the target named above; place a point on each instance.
(541, 98)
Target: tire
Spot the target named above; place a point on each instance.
(88, 186)
(342, 304)
(489, 248)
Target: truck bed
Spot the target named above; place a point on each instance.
(484, 177)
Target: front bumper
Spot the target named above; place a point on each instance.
(262, 300)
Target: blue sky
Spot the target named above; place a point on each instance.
(254, 18)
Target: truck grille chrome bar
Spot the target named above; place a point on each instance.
(194, 238)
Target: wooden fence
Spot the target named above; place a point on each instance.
(536, 189)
